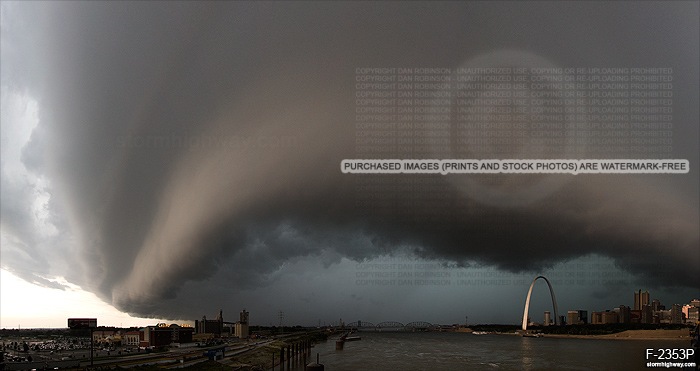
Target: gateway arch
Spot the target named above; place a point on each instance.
(527, 301)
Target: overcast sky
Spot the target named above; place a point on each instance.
(174, 159)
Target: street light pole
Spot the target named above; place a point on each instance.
(91, 347)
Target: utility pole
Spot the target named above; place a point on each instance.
(281, 321)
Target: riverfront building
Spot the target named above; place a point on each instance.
(641, 299)
(677, 314)
(602, 318)
(647, 315)
(691, 312)
(624, 315)
(692, 316)
(577, 317)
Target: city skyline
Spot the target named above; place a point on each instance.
(114, 318)
(160, 161)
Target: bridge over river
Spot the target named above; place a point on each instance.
(391, 326)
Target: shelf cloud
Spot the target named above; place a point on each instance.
(176, 144)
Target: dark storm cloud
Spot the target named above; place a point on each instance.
(192, 138)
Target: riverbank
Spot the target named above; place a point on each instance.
(262, 357)
(660, 334)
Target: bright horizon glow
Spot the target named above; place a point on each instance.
(25, 305)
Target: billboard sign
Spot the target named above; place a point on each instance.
(78, 323)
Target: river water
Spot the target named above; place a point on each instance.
(437, 351)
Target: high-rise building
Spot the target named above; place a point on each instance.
(596, 318)
(685, 308)
(624, 314)
(547, 318)
(577, 317)
(635, 316)
(583, 316)
(656, 305)
(600, 318)
(610, 317)
(664, 316)
(640, 299)
(647, 314)
(695, 303)
(693, 315)
(676, 314)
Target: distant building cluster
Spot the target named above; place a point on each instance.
(149, 336)
(644, 311)
(175, 335)
(206, 328)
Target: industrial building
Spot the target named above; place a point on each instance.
(214, 327)
(205, 328)
(241, 327)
